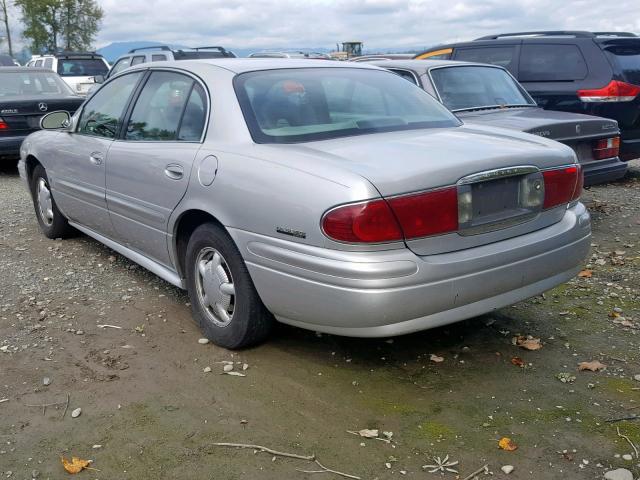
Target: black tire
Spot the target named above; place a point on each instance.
(250, 322)
(52, 223)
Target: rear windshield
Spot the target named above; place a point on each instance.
(628, 60)
(81, 67)
(471, 87)
(299, 105)
(14, 84)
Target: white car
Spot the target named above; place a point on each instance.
(77, 69)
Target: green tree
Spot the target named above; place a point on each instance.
(54, 24)
(4, 18)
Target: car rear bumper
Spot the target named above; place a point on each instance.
(629, 148)
(603, 171)
(394, 292)
(10, 147)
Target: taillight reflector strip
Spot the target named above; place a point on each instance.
(562, 185)
(615, 91)
(429, 213)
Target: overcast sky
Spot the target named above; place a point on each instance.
(378, 23)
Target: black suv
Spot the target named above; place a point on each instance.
(597, 73)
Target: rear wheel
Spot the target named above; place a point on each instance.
(52, 223)
(224, 300)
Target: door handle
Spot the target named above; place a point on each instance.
(174, 171)
(96, 158)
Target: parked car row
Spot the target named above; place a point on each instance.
(597, 73)
(333, 196)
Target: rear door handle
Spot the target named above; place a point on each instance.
(174, 171)
(96, 158)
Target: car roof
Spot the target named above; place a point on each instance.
(242, 65)
(427, 64)
(24, 69)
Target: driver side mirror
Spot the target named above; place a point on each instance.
(98, 78)
(55, 120)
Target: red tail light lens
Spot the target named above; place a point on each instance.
(606, 148)
(368, 222)
(398, 218)
(429, 213)
(3, 125)
(562, 185)
(615, 91)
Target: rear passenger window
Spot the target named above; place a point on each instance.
(158, 58)
(137, 60)
(38, 63)
(48, 63)
(503, 56)
(551, 63)
(193, 119)
(159, 108)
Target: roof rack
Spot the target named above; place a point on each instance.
(221, 49)
(614, 34)
(154, 47)
(558, 33)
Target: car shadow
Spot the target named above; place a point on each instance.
(8, 168)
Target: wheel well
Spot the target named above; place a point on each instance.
(186, 225)
(30, 164)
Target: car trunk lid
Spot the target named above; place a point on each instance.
(22, 116)
(491, 166)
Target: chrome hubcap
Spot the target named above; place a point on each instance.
(45, 204)
(215, 288)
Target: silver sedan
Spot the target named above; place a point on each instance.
(332, 196)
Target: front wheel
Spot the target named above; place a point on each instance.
(52, 223)
(224, 300)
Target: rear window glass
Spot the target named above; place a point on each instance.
(503, 56)
(551, 63)
(628, 60)
(14, 84)
(299, 105)
(81, 67)
(470, 87)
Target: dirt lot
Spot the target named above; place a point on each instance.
(155, 413)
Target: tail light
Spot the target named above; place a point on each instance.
(397, 218)
(3, 125)
(435, 212)
(562, 185)
(606, 148)
(615, 91)
(367, 222)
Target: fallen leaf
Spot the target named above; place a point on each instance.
(528, 342)
(76, 464)
(518, 362)
(614, 315)
(586, 274)
(507, 444)
(368, 433)
(436, 358)
(594, 366)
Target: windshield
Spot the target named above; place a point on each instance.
(305, 104)
(628, 58)
(81, 67)
(471, 87)
(14, 84)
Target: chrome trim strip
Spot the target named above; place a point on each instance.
(498, 173)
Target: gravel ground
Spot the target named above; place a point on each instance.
(150, 407)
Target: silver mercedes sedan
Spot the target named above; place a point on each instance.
(332, 196)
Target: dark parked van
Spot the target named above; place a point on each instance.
(596, 73)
